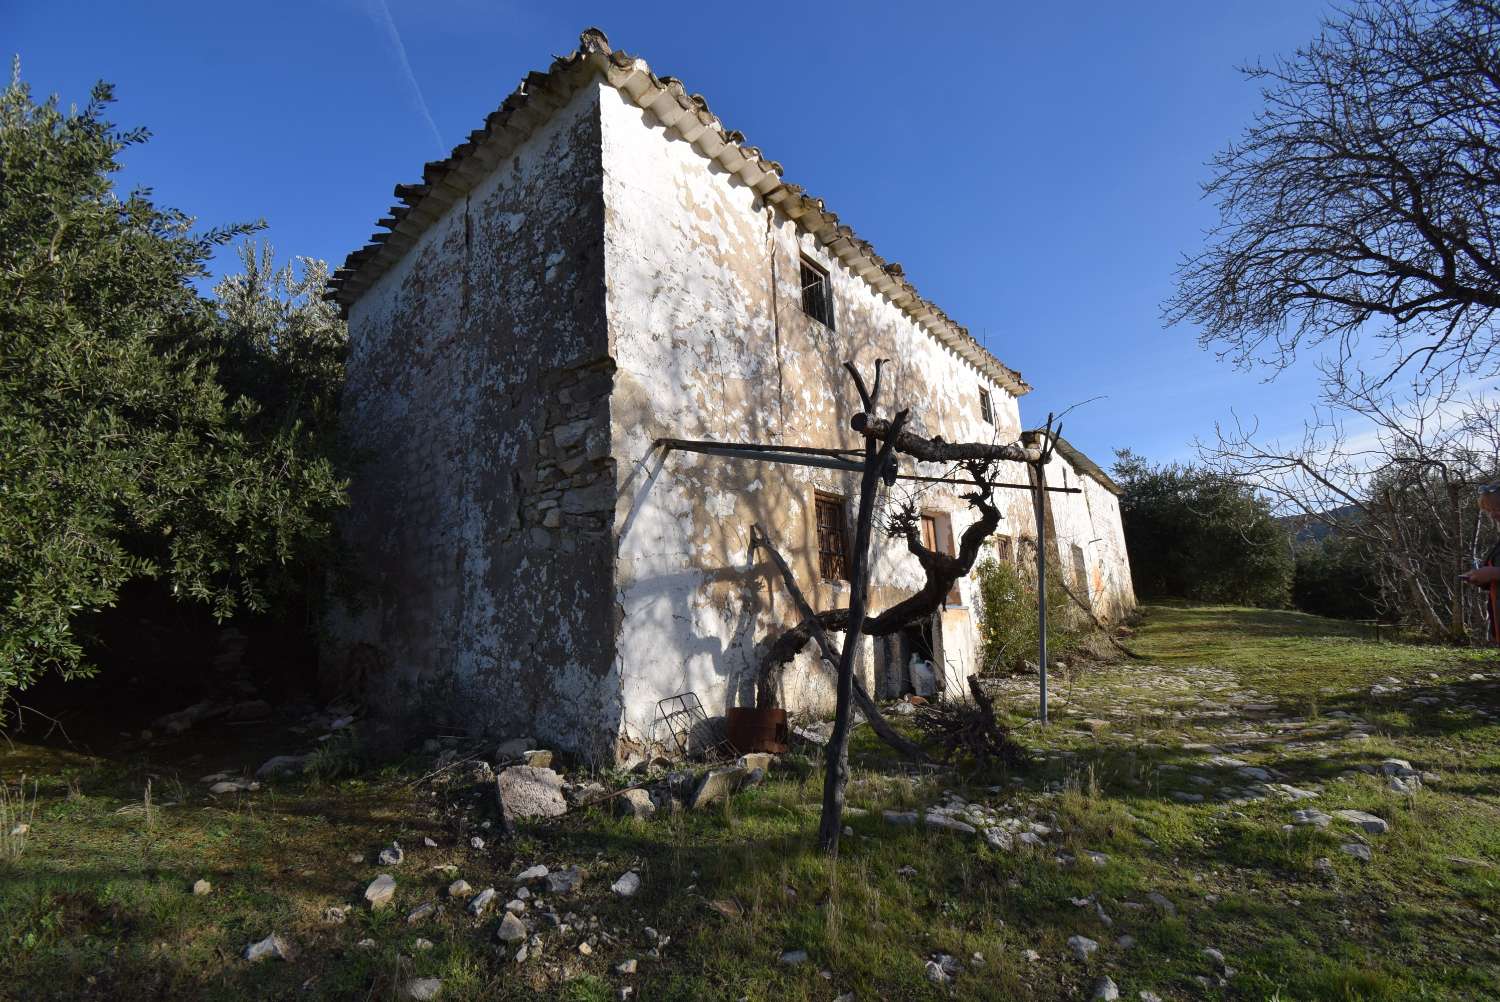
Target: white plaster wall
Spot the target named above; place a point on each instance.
(1091, 520)
(709, 340)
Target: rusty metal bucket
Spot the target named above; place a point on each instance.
(753, 729)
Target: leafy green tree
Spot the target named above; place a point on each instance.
(124, 453)
(1337, 576)
(1195, 534)
(1008, 613)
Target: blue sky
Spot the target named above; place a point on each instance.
(1034, 167)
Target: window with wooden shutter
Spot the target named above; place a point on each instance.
(937, 534)
(986, 407)
(833, 561)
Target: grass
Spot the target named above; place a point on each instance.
(100, 905)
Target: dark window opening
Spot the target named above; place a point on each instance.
(937, 535)
(817, 294)
(986, 409)
(833, 562)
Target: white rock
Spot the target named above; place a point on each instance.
(421, 944)
(530, 874)
(273, 947)
(424, 989)
(380, 891)
(460, 889)
(512, 929)
(627, 885)
(1359, 852)
(793, 957)
(481, 902)
(392, 856)
(1105, 990)
(1369, 822)
(1082, 946)
(626, 966)
(202, 887)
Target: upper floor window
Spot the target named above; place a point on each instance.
(817, 293)
(986, 409)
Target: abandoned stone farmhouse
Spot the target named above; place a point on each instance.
(601, 267)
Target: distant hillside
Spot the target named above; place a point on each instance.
(1314, 529)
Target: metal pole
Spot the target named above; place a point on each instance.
(1039, 498)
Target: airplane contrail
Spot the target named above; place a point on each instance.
(381, 12)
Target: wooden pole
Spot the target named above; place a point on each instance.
(837, 776)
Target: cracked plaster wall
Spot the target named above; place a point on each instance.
(710, 341)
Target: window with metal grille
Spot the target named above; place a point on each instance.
(986, 409)
(937, 535)
(817, 294)
(833, 562)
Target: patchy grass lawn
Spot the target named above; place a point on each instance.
(99, 903)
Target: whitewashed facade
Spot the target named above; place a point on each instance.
(602, 267)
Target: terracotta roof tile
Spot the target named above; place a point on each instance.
(540, 94)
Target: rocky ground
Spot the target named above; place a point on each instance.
(1265, 806)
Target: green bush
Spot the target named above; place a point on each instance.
(1008, 616)
(143, 434)
(1335, 577)
(1196, 534)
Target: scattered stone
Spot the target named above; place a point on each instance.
(421, 944)
(793, 957)
(273, 947)
(380, 891)
(941, 822)
(635, 804)
(476, 842)
(511, 930)
(715, 785)
(1216, 957)
(1311, 816)
(529, 792)
(1359, 852)
(1097, 858)
(335, 914)
(1183, 797)
(281, 765)
(1149, 996)
(1369, 822)
(424, 989)
(1126, 942)
(481, 902)
(531, 873)
(1031, 955)
(421, 912)
(366, 944)
(564, 881)
(585, 949)
(202, 887)
(1105, 990)
(538, 758)
(627, 885)
(1162, 903)
(429, 843)
(392, 856)
(756, 760)
(1082, 946)
(937, 975)
(514, 749)
(233, 786)
(626, 966)
(460, 889)
(906, 819)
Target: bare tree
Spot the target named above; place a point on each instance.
(1363, 199)
(883, 439)
(1404, 486)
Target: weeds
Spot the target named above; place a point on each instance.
(16, 817)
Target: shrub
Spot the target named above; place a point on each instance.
(1008, 615)
(142, 436)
